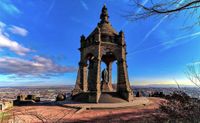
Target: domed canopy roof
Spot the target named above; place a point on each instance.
(104, 25)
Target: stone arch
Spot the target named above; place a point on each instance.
(109, 55)
(115, 50)
(108, 58)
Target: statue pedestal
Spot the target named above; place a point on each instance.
(106, 86)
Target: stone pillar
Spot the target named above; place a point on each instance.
(96, 74)
(91, 85)
(123, 85)
(77, 88)
(84, 77)
(109, 68)
(81, 81)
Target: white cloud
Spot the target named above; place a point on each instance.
(13, 45)
(175, 42)
(8, 7)
(170, 43)
(37, 67)
(2, 24)
(18, 30)
(6, 42)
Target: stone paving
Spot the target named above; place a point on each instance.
(136, 102)
(57, 114)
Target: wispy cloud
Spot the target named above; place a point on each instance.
(18, 30)
(152, 30)
(85, 6)
(137, 11)
(2, 25)
(6, 42)
(176, 41)
(145, 49)
(143, 3)
(8, 7)
(51, 7)
(156, 26)
(197, 63)
(169, 44)
(37, 67)
(13, 46)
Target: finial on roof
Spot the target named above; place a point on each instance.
(104, 15)
(82, 38)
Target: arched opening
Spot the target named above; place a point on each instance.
(107, 73)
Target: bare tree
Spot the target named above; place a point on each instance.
(180, 107)
(193, 73)
(165, 8)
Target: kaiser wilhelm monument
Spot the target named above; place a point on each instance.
(106, 45)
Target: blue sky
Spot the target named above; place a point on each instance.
(39, 41)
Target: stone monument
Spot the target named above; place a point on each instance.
(106, 45)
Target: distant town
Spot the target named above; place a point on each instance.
(45, 93)
(15, 99)
(50, 93)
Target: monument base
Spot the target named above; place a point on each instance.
(138, 101)
(103, 97)
(106, 86)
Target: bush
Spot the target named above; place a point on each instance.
(180, 107)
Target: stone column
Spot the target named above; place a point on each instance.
(96, 74)
(91, 85)
(77, 88)
(123, 85)
(109, 68)
(84, 77)
(81, 81)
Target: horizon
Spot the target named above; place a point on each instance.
(162, 85)
(39, 42)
